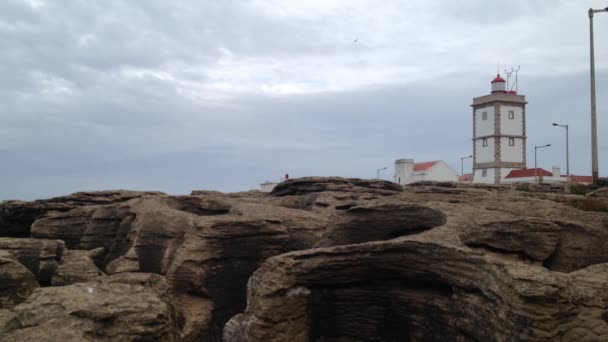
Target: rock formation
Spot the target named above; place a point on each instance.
(318, 259)
(16, 217)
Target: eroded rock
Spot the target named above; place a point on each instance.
(16, 217)
(407, 290)
(16, 282)
(75, 266)
(40, 256)
(93, 312)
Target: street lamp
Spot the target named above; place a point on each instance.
(378, 172)
(594, 166)
(567, 151)
(535, 167)
(462, 164)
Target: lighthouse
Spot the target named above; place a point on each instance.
(499, 133)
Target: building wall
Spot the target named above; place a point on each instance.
(442, 172)
(404, 171)
(489, 178)
(484, 154)
(512, 153)
(511, 126)
(484, 127)
(268, 186)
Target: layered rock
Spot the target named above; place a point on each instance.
(75, 267)
(16, 217)
(375, 222)
(92, 312)
(41, 257)
(430, 261)
(307, 185)
(207, 246)
(420, 291)
(16, 282)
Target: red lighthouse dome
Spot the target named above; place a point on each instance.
(499, 85)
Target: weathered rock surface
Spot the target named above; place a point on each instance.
(403, 290)
(41, 257)
(307, 185)
(376, 222)
(92, 312)
(75, 267)
(207, 246)
(16, 282)
(16, 217)
(346, 260)
(599, 193)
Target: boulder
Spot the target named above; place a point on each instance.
(75, 266)
(41, 257)
(16, 217)
(16, 282)
(93, 311)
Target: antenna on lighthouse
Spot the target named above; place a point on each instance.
(516, 71)
(508, 74)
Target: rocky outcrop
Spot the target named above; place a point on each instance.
(16, 282)
(375, 222)
(337, 260)
(601, 193)
(75, 267)
(206, 246)
(415, 291)
(97, 311)
(307, 185)
(41, 257)
(16, 217)
(534, 239)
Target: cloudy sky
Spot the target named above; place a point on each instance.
(182, 95)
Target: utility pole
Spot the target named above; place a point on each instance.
(594, 162)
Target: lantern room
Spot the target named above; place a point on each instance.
(499, 85)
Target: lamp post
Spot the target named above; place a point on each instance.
(567, 151)
(378, 172)
(535, 167)
(594, 166)
(462, 164)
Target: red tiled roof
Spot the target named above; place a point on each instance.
(424, 165)
(581, 179)
(528, 173)
(466, 177)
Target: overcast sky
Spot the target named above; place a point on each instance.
(182, 95)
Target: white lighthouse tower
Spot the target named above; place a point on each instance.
(499, 133)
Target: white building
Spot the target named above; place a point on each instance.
(543, 176)
(267, 186)
(406, 171)
(499, 134)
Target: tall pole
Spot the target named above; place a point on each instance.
(462, 164)
(567, 150)
(535, 166)
(594, 166)
(567, 156)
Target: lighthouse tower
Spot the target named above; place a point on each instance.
(499, 133)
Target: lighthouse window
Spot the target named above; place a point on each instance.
(484, 172)
(484, 116)
(484, 142)
(511, 115)
(511, 141)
